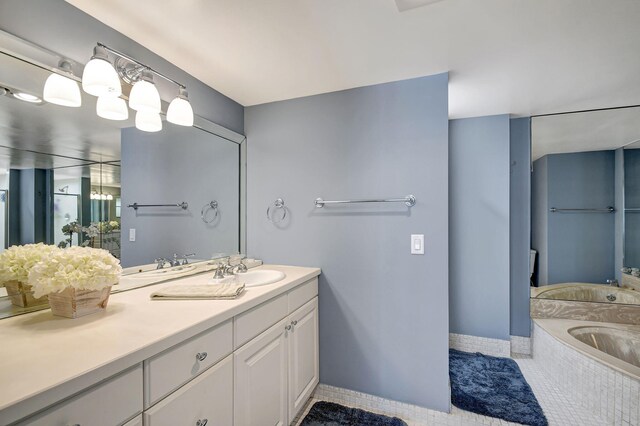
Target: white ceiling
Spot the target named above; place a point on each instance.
(586, 131)
(504, 56)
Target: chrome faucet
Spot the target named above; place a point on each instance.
(613, 283)
(161, 261)
(222, 268)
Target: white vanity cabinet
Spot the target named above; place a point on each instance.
(113, 402)
(276, 372)
(251, 367)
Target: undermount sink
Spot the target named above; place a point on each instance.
(261, 277)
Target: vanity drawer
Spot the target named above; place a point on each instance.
(208, 397)
(251, 323)
(110, 403)
(302, 294)
(174, 367)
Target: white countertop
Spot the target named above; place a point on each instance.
(44, 358)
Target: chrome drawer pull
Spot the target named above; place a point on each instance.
(288, 327)
(200, 356)
(294, 322)
(202, 422)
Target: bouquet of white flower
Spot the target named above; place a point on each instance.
(81, 268)
(17, 261)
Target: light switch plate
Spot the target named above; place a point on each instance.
(417, 244)
(132, 234)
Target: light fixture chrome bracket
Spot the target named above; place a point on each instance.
(129, 72)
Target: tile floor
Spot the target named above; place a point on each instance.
(560, 411)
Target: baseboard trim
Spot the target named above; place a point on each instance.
(375, 404)
(515, 346)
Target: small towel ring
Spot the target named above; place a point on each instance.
(213, 205)
(277, 205)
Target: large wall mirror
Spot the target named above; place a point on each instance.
(586, 206)
(69, 177)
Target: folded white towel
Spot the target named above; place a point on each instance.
(199, 291)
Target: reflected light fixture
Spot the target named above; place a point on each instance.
(148, 121)
(26, 97)
(180, 111)
(144, 96)
(99, 77)
(112, 108)
(61, 89)
(100, 196)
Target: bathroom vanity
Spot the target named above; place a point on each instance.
(248, 361)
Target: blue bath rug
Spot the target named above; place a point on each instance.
(493, 387)
(329, 414)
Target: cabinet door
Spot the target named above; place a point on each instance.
(135, 422)
(260, 394)
(205, 400)
(303, 355)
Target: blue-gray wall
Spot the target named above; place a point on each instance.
(159, 168)
(540, 217)
(520, 225)
(383, 311)
(579, 247)
(58, 26)
(479, 226)
(632, 201)
(619, 220)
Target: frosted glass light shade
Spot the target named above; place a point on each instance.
(148, 121)
(99, 78)
(180, 112)
(112, 108)
(61, 90)
(144, 97)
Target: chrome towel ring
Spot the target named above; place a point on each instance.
(278, 205)
(212, 206)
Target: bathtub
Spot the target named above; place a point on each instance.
(584, 292)
(623, 344)
(614, 345)
(594, 364)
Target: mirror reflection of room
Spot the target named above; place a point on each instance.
(585, 206)
(73, 179)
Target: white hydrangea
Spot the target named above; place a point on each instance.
(83, 268)
(17, 261)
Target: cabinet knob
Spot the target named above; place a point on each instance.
(200, 356)
(288, 327)
(202, 422)
(294, 322)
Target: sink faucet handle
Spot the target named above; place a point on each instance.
(185, 257)
(160, 262)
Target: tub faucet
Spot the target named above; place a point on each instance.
(613, 283)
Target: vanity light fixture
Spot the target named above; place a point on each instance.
(99, 77)
(144, 96)
(180, 111)
(112, 108)
(148, 121)
(102, 78)
(62, 90)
